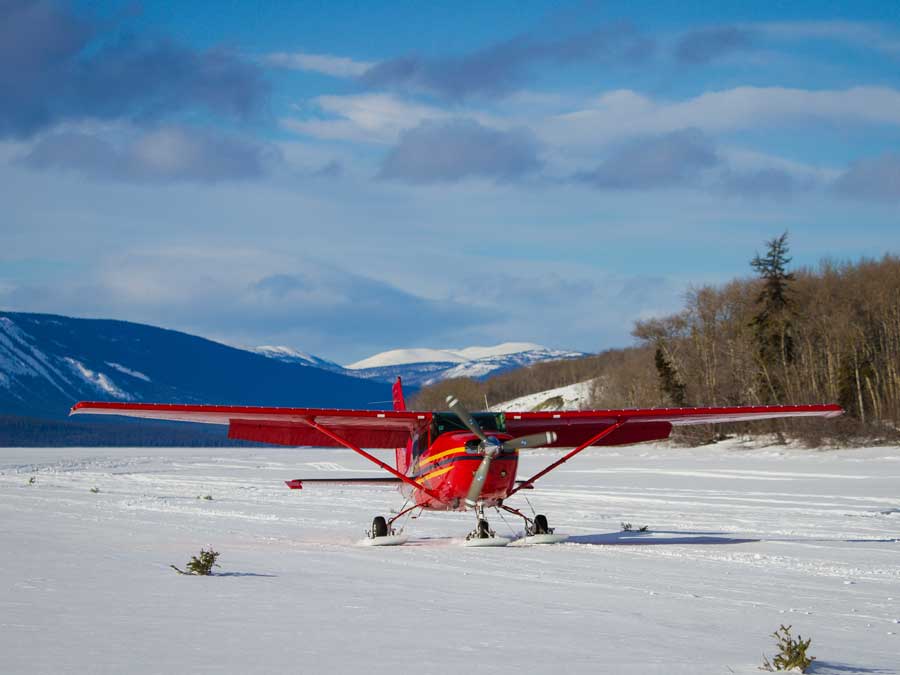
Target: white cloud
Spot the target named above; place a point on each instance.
(327, 64)
(367, 118)
(743, 159)
(370, 118)
(625, 112)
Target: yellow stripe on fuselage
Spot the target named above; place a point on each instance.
(439, 456)
(435, 474)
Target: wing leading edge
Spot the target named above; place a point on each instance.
(647, 424)
(280, 426)
(392, 429)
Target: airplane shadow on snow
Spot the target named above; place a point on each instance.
(241, 574)
(679, 537)
(825, 668)
(654, 539)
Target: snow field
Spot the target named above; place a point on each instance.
(741, 541)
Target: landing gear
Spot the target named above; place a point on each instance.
(482, 531)
(537, 531)
(379, 527)
(382, 534)
(540, 525)
(483, 535)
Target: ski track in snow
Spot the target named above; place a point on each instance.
(740, 541)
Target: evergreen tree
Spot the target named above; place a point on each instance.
(772, 324)
(202, 565)
(669, 382)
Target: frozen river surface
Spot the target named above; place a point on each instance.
(741, 540)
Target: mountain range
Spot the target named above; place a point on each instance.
(423, 366)
(48, 362)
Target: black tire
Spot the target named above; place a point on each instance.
(540, 524)
(483, 529)
(379, 527)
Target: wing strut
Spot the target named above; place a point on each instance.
(529, 484)
(387, 467)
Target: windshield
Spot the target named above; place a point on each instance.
(442, 422)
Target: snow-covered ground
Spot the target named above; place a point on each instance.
(741, 540)
(571, 397)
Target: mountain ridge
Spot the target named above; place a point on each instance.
(422, 366)
(49, 361)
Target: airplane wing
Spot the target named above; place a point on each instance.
(392, 429)
(280, 426)
(574, 428)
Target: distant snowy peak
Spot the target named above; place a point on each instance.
(397, 357)
(401, 357)
(291, 355)
(423, 366)
(420, 367)
(505, 349)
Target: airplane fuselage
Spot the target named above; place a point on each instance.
(446, 469)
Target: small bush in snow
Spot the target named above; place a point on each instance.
(201, 565)
(32, 480)
(791, 653)
(628, 527)
(95, 490)
(206, 497)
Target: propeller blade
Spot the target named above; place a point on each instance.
(540, 440)
(478, 481)
(466, 417)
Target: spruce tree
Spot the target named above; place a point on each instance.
(772, 324)
(669, 382)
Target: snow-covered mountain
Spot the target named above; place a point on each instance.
(290, 355)
(422, 366)
(49, 362)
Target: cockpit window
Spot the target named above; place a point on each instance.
(442, 422)
(419, 444)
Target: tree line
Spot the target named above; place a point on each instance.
(829, 333)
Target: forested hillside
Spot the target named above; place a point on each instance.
(782, 336)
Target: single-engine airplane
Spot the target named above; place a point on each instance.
(450, 461)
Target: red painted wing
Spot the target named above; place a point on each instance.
(576, 427)
(280, 426)
(392, 429)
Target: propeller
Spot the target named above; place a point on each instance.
(466, 417)
(490, 447)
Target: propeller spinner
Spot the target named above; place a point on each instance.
(490, 447)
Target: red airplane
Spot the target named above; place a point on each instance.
(450, 461)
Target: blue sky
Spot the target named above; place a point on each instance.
(349, 177)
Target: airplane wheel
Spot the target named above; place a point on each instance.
(379, 527)
(540, 524)
(483, 530)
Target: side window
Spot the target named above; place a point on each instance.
(419, 442)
